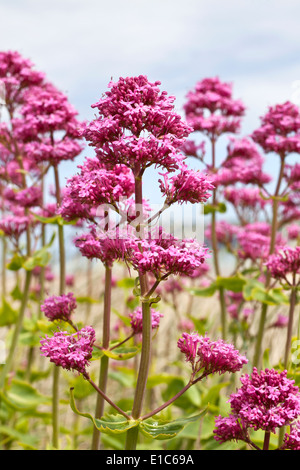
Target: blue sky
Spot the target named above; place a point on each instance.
(81, 45)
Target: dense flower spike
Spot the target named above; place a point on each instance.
(59, 307)
(215, 98)
(208, 356)
(243, 164)
(137, 126)
(267, 400)
(18, 75)
(105, 246)
(285, 262)
(13, 226)
(72, 352)
(186, 186)
(291, 440)
(96, 185)
(136, 321)
(280, 129)
(254, 241)
(165, 256)
(48, 127)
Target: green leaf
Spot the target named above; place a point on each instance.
(22, 396)
(109, 423)
(46, 220)
(15, 263)
(220, 207)
(205, 292)
(39, 258)
(87, 300)
(8, 315)
(126, 283)
(233, 283)
(278, 296)
(249, 286)
(122, 353)
(22, 439)
(97, 354)
(160, 429)
(56, 220)
(271, 297)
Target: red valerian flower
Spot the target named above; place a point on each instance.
(71, 352)
(267, 400)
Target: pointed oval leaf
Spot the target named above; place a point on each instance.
(159, 429)
(122, 353)
(22, 396)
(109, 423)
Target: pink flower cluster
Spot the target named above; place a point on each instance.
(243, 164)
(59, 307)
(100, 245)
(209, 356)
(225, 232)
(245, 197)
(211, 109)
(18, 75)
(284, 262)
(292, 175)
(13, 226)
(186, 186)
(137, 126)
(280, 129)
(266, 400)
(96, 185)
(165, 256)
(72, 352)
(293, 231)
(136, 322)
(255, 240)
(28, 197)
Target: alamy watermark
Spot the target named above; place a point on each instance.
(184, 222)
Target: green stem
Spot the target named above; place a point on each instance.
(55, 407)
(274, 226)
(4, 252)
(106, 398)
(167, 403)
(293, 298)
(267, 440)
(9, 360)
(104, 360)
(214, 242)
(62, 287)
(132, 434)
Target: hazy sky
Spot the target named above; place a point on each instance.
(81, 45)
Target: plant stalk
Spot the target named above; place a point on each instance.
(104, 360)
(132, 434)
(62, 287)
(274, 226)
(214, 242)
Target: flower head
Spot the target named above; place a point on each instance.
(209, 356)
(59, 307)
(72, 352)
(136, 321)
(186, 186)
(285, 262)
(137, 126)
(211, 109)
(280, 129)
